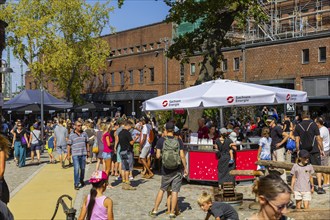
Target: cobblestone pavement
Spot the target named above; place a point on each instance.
(137, 204)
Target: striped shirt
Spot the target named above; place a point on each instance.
(78, 143)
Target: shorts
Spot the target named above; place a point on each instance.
(325, 159)
(114, 157)
(118, 154)
(315, 158)
(127, 160)
(106, 156)
(50, 150)
(304, 196)
(145, 151)
(61, 150)
(35, 147)
(172, 182)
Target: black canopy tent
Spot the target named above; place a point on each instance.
(93, 106)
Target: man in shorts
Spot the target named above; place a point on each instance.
(170, 177)
(126, 154)
(313, 144)
(324, 134)
(60, 141)
(145, 146)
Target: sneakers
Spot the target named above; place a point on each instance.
(131, 178)
(82, 184)
(118, 178)
(320, 190)
(63, 164)
(231, 161)
(172, 215)
(76, 187)
(152, 213)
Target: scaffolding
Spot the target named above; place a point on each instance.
(289, 18)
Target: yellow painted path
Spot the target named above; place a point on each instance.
(37, 199)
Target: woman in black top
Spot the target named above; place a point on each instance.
(223, 145)
(20, 142)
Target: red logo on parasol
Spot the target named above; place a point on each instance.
(288, 96)
(230, 99)
(165, 103)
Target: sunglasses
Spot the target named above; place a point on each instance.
(279, 208)
(78, 125)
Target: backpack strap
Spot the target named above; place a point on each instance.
(309, 126)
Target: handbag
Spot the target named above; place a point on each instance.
(40, 142)
(95, 148)
(23, 141)
(290, 144)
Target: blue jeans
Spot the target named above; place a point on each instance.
(79, 163)
(20, 153)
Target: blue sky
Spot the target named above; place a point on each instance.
(134, 13)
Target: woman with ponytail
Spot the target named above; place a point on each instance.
(97, 206)
(274, 198)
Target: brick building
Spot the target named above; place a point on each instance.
(3, 26)
(290, 51)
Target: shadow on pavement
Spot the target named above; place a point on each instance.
(183, 206)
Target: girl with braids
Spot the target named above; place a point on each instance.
(273, 196)
(4, 149)
(97, 206)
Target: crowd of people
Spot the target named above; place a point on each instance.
(114, 143)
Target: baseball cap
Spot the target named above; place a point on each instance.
(270, 118)
(98, 176)
(35, 125)
(303, 153)
(169, 126)
(223, 131)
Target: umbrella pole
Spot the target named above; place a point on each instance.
(221, 117)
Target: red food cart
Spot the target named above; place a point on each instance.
(203, 164)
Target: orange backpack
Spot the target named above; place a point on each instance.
(151, 136)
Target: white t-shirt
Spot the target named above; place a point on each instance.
(324, 133)
(146, 130)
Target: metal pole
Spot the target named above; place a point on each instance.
(221, 117)
(166, 66)
(133, 106)
(244, 63)
(42, 108)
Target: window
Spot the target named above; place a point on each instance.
(305, 56)
(158, 45)
(151, 46)
(112, 78)
(322, 54)
(131, 80)
(144, 47)
(152, 74)
(125, 50)
(112, 53)
(236, 63)
(30, 84)
(141, 75)
(122, 78)
(224, 65)
(131, 49)
(192, 69)
(182, 73)
(119, 51)
(138, 49)
(104, 80)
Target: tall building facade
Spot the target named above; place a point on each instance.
(291, 50)
(3, 26)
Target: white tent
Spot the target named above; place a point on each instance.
(224, 93)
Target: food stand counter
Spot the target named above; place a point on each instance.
(203, 163)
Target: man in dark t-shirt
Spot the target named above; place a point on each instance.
(171, 178)
(126, 153)
(307, 125)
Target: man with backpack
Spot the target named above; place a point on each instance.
(173, 163)
(307, 137)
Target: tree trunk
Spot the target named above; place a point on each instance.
(194, 115)
(288, 166)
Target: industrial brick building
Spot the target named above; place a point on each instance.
(290, 51)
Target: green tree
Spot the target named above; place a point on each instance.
(59, 40)
(215, 18)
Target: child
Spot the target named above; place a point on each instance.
(50, 147)
(219, 210)
(96, 205)
(302, 180)
(264, 147)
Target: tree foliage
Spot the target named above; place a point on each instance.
(215, 18)
(59, 40)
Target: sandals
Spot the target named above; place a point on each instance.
(152, 213)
